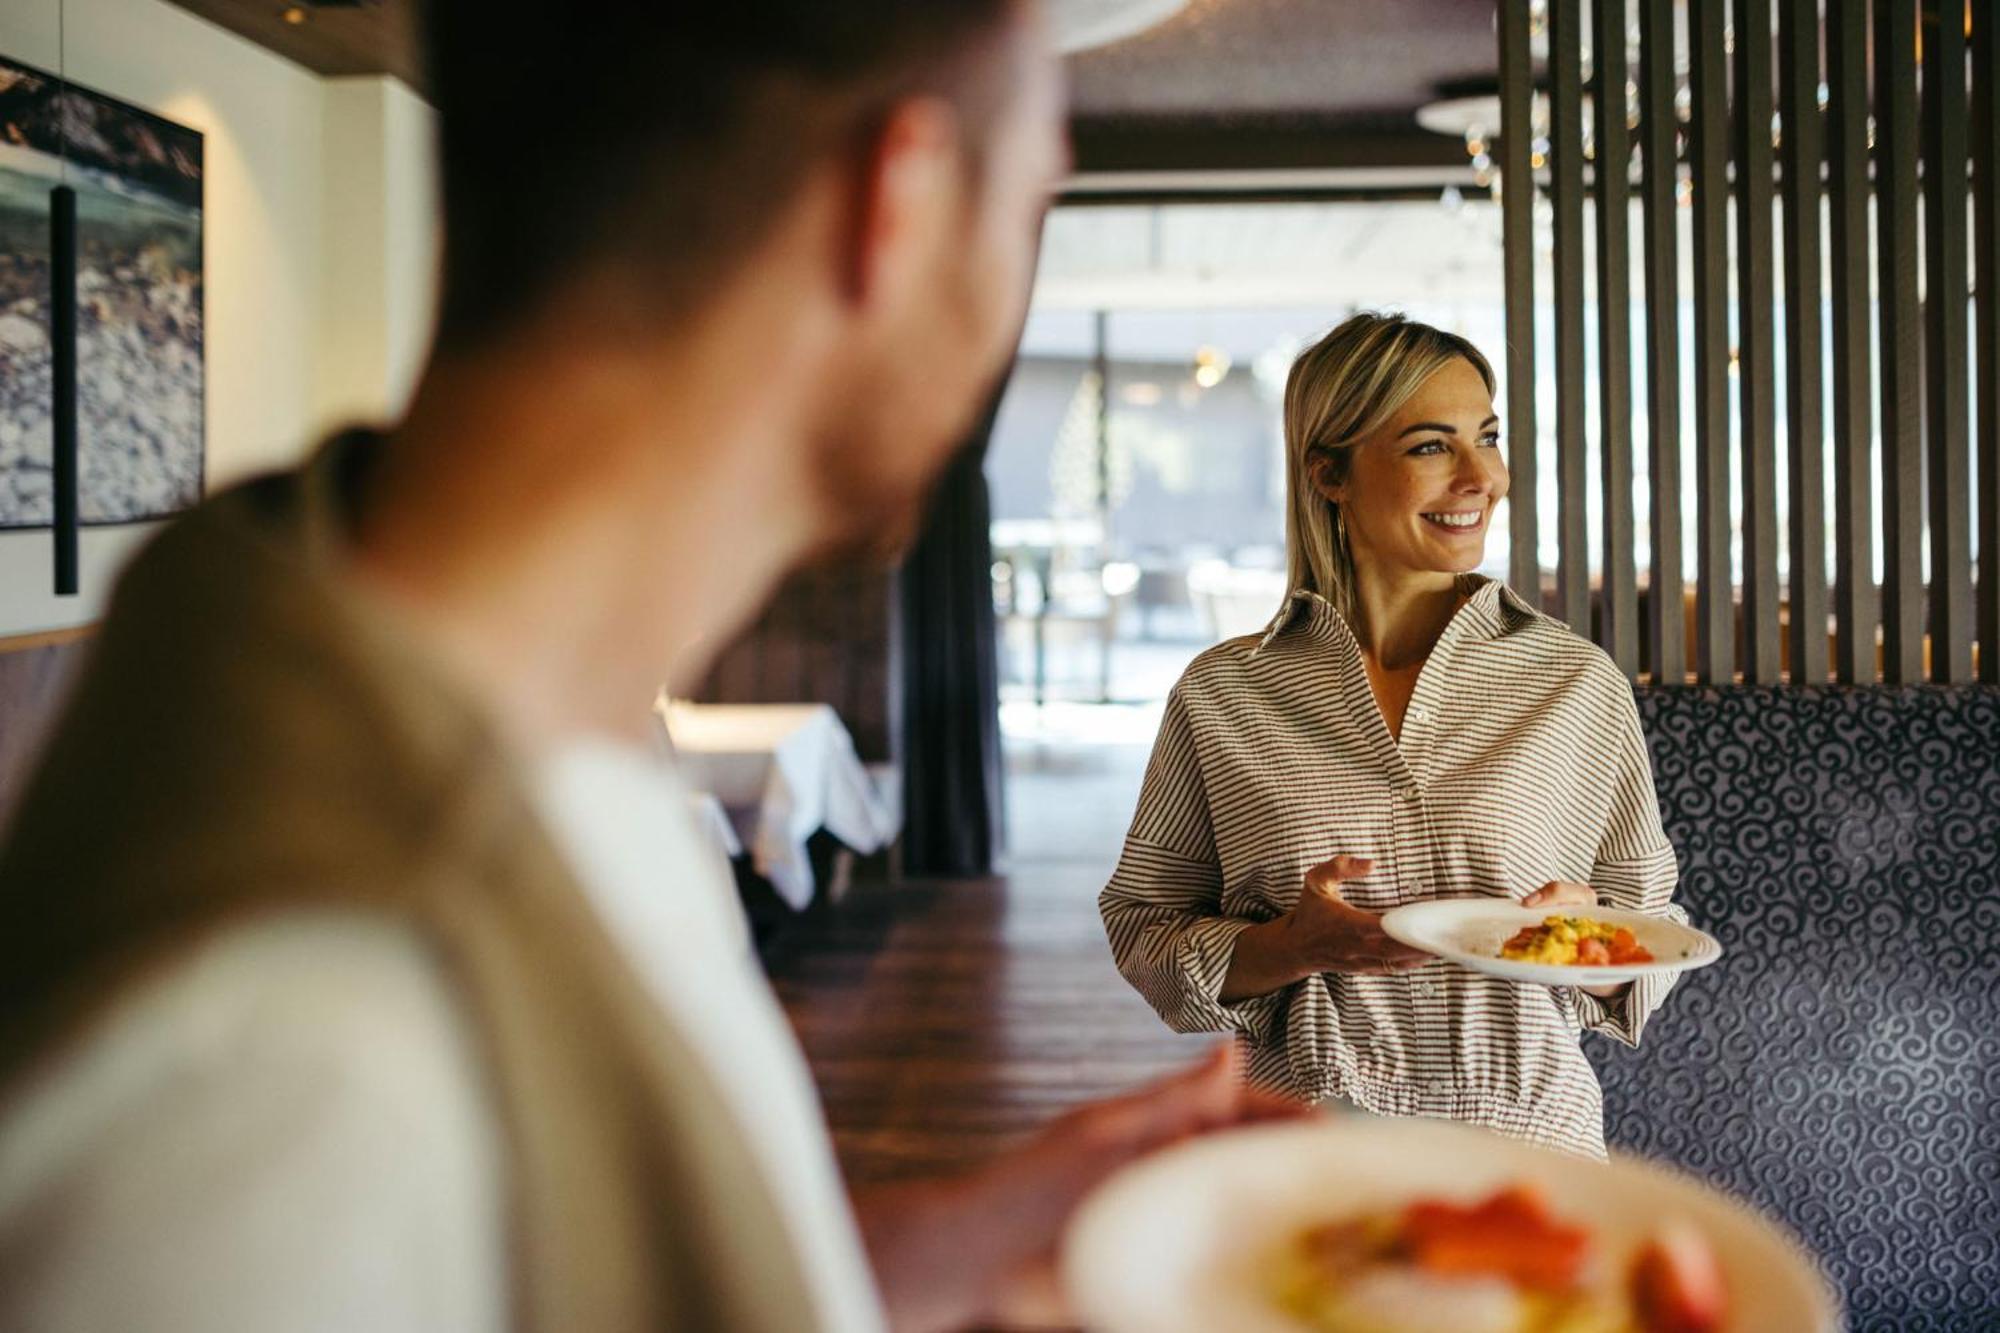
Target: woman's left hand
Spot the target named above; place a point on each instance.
(1559, 892)
(1563, 893)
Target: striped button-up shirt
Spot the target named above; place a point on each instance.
(1521, 761)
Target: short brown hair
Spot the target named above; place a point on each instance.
(660, 139)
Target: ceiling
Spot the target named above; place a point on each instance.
(1279, 84)
(1224, 85)
(1236, 256)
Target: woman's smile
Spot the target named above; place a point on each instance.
(1459, 522)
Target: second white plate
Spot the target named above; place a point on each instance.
(1470, 931)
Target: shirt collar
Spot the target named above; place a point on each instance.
(1493, 609)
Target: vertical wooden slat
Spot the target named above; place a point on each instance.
(1798, 107)
(1566, 182)
(1619, 595)
(1715, 657)
(1756, 359)
(1659, 224)
(1945, 403)
(1517, 220)
(1900, 337)
(1986, 242)
(1853, 359)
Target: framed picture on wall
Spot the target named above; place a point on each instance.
(140, 372)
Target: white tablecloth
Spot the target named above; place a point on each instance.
(714, 822)
(782, 772)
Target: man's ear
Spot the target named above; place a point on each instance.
(906, 193)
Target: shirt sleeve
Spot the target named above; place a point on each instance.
(1162, 908)
(287, 1133)
(1635, 869)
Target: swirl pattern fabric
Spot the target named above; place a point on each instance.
(1841, 1064)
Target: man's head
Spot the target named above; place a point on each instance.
(632, 161)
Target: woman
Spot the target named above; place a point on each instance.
(1403, 730)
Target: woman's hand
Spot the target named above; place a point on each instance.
(1563, 893)
(1322, 933)
(1333, 935)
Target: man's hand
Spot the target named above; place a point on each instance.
(944, 1250)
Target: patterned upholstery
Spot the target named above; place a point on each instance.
(1841, 1064)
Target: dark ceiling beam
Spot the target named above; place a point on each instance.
(371, 38)
(1138, 145)
(1247, 194)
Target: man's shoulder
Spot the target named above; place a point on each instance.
(349, 1002)
(302, 1089)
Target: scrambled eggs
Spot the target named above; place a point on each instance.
(1566, 940)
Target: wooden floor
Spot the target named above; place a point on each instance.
(945, 1021)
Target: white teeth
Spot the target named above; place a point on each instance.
(1456, 520)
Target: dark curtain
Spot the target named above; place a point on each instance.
(950, 677)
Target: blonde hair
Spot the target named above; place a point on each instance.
(1342, 389)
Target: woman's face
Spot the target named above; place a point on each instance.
(1420, 492)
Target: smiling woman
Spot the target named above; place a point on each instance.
(1404, 730)
(1393, 453)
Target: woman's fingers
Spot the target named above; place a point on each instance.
(1559, 891)
(1327, 874)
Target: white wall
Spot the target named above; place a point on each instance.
(283, 166)
(380, 250)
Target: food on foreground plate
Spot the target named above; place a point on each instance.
(1502, 1265)
(1577, 941)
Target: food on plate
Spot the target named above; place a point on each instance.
(1677, 1283)
(1575, 941)
(1503, 1264)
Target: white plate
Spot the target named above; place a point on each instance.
(1470, 931)
(1180, 1242)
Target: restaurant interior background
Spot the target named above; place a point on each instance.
(1810, 372)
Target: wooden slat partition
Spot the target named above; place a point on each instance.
(1659, 227)
(1945, 296)
(1756, 358)
(1986, 265)
(1708, 71)
(1900, 337)
(827, 636)
(1853, 407)
(1619, 633)
(1800, 156)
(1566, 178)
(1886, 110)
(1517, 214)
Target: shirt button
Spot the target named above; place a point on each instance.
(1413, 793)
(1420, 713)
(1425, 989)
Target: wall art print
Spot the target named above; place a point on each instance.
(140, 380)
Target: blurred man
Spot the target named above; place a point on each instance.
(360, 970)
